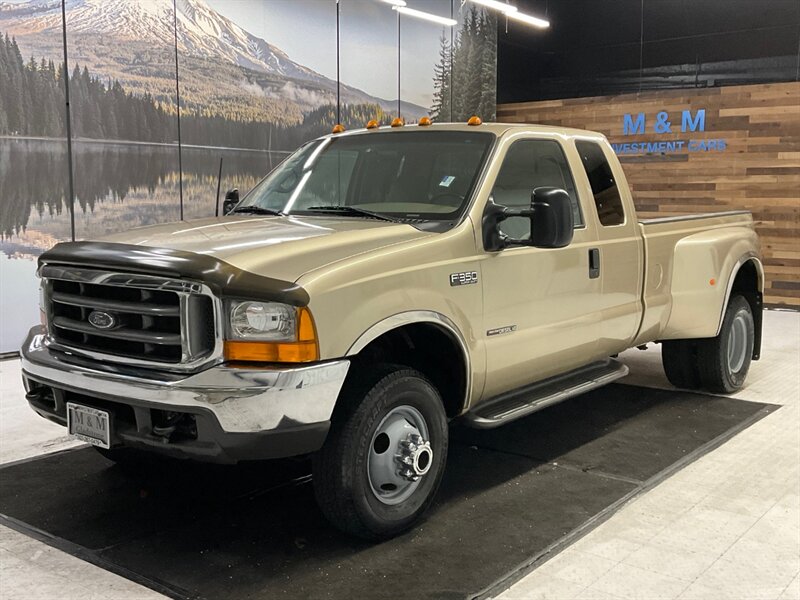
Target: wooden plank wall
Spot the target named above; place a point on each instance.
(758, 171)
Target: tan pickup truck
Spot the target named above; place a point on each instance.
(376, 285)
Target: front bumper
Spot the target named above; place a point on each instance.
(232, 414)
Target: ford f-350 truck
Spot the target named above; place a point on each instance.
(376, 285)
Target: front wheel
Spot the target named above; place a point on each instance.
(384, 457)
(723, 361)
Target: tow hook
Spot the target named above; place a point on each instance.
(171, 422)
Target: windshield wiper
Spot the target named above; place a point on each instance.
(256, 210)
(352, 210)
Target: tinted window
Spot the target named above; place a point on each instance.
(530, 164)
(423, 175)
(604, 187)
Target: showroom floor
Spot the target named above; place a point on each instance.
(726, 526)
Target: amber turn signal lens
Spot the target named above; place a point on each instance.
(424, 122)
(398, 122)
(373, 124)
(474, 120)
(276, 352)
(306, 330)
(338, 128)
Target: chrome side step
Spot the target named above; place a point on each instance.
(522, 402)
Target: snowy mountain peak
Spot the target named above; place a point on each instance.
(106, 34)
(202, 31)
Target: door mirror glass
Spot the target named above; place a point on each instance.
(231, 200)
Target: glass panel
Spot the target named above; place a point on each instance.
(529, 164)
(369, 61)
(604, 187)
(34, 214)
(122, 86)
(419, 175)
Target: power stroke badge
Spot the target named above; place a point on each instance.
(466, 278)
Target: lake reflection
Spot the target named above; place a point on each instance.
(117, 187)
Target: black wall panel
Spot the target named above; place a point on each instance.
(596, 47)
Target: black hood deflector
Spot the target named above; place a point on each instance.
(222, 277)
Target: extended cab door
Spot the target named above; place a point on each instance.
(540, 305)
(619, 256)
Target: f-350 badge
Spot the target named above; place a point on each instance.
(466, 278)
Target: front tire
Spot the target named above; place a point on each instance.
(384, 457)
(724, 361)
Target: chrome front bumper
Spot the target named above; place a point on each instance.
(249, 400)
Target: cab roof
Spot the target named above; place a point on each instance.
(498, 129)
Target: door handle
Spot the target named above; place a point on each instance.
(594, 263)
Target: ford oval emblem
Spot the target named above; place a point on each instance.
(102, 320)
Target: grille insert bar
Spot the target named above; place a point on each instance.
(119, 306)
(147, 337)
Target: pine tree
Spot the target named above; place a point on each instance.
(441, 109)
(487, 68)
(3, 117)
(472, 84)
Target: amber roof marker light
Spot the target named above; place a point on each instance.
(373, 124)
(425, 122)
(338, 128)
(398, 122)
(474, 121)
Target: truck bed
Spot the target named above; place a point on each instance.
(686, 270)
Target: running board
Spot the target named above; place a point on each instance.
(522, 402)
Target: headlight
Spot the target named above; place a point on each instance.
(263, 321)
(270, 332)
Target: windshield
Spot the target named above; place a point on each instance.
(397, 175)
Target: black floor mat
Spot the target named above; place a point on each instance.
(253, 531)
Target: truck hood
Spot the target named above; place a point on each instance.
(279, 247)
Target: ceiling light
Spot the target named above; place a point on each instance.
(523, 18)
(423, 15)
(395, 2)
(501, 6)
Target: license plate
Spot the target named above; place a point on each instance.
(89, 425)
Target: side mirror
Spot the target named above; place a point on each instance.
(550, 216)
(231, 200)
(553, 225)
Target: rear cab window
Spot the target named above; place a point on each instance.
(607, 200)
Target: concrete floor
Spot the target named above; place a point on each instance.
(725, 527)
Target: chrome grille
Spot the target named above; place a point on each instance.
(136, 319)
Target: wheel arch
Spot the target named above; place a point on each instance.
(747, 279)
(414, 338)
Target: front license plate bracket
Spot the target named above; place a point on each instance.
(90, 425)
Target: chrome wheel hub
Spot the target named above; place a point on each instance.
(737, 344)
(400, 455)
(414, 458)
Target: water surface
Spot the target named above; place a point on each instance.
(118, 186)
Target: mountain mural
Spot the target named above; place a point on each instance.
(225, 71)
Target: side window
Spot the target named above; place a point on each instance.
(604, 187)
(530, 164)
